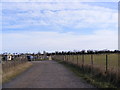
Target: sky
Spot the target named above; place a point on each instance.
(58, 26)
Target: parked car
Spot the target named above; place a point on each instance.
(30, 58)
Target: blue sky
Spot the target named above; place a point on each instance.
(57, 26)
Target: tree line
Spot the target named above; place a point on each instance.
(83, 52)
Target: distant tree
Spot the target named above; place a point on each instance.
(83, 51)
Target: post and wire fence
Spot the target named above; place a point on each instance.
(11, 65)
(105, 64)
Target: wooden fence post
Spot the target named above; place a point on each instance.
(91, 61)
(118, 70)
(67, 58)
(106, 63)
(77, 60)
(64, 57)
(82, 61)
(72, 59)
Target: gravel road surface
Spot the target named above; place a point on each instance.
(47, 74)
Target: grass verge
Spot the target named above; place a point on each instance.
(97, 81)
(16, 71)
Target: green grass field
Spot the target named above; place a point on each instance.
(95, 63)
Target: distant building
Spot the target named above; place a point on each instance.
(44, 55)
(50, 58)
(7, 57)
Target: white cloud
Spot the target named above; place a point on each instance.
(77, 15)
(52, 41)
(72, 15)
(0, 28)
(60, 0)
(0, 41)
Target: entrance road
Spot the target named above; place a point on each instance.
(47, 74)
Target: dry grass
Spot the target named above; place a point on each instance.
(15, 71)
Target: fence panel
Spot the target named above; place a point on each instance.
(8, 65)
(87, 60)
(113, 63)
(99, 62)
(80, 62)
(106, 64)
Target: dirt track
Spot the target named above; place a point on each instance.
(47, 74)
